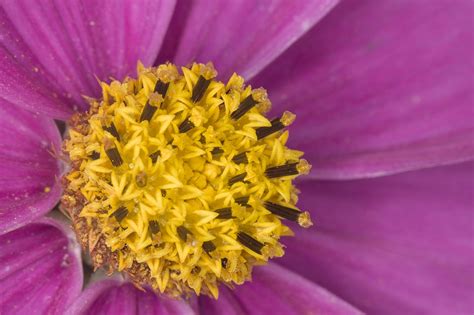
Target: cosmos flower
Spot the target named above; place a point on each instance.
(382, 91)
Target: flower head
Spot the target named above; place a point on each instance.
(180, 181)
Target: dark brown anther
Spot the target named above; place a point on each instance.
(163, 193)
(208, 247)
(216, 152)
(263, 132)
(114, 156)
(282, 211)
(185, 126)
(94, 155)
(277, 124)
(161, 87)
(244, 107)
(249, 242)
(154, 156)
(224, 262)
(113, 131)
(148, 112)
(240, 158)
(120, 214)
(154, 227)
(183, 232)
(243, 201)
(282, 170)
(237, 178)
(199, 89)
(224, 213)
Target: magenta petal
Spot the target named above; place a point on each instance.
(240, 36)
(401, 244)
(29, 170)
(276, 290)
(41, 271)
(227, 303)
(380, 87)
(23, 81)
(77, 42)
(116, 297)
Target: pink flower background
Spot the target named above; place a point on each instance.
(383, 93)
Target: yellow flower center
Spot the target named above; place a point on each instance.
(180, 181)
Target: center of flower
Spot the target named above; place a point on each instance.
(180, 181)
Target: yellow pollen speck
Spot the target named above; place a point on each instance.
(303, 167)
(47, 189)
(305, 220)
(180, 181)
(208, 71)
(288, 118)
(155, 99)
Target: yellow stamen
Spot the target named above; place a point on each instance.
(180, 181)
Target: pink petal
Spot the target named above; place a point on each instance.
(276, 290)
(23, 80)
(29, 170)
(77, 42)
(41, 269)
(401, 244)
(380, 87)
(227, 303)
(240, 36)
(116, 297)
